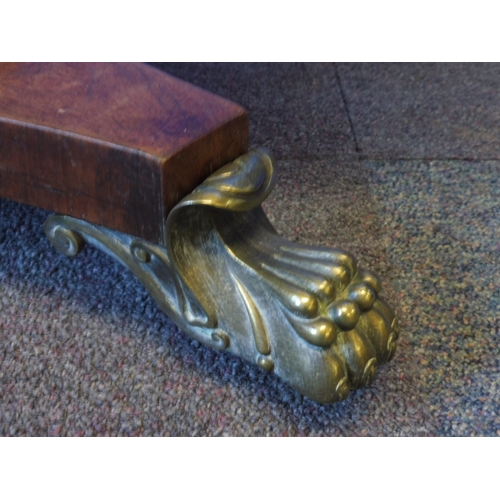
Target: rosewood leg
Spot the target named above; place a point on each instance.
(219, 270)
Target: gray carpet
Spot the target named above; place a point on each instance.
(396, 163)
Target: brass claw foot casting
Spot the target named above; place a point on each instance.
(229, 281)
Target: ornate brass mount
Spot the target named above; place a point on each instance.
(229, 281)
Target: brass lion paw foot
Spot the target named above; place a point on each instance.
(229, 281)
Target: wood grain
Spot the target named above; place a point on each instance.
(114, 144)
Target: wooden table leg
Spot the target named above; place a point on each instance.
(154, 172)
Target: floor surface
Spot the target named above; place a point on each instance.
(399, 164)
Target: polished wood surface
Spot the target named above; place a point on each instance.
(114, 144)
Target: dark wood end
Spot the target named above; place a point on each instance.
(113, 144)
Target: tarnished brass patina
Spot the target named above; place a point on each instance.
(229, 281)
